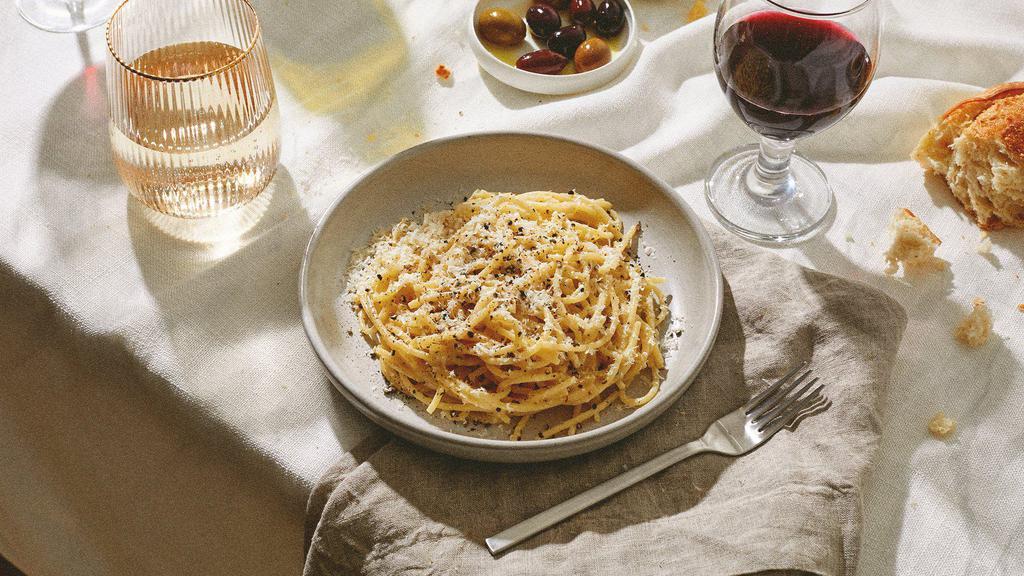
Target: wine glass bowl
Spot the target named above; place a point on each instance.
(66, 15)
(789, 69)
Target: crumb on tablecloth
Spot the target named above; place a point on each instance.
(913, 246)
(974, 329)
(984, 246)
(443, 72)
(940, 426)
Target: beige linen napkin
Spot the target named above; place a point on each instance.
(793, 504)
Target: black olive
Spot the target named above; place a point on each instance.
(566, 40)
(582, 11)
(610, 18)
(543, 20)
(542, 62)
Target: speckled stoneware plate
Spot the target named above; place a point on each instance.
(673, 244)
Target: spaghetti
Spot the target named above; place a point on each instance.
(508, 305)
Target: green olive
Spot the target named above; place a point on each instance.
(592, 54)
(499, 26)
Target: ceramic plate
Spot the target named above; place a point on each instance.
(500, 62)
(673, 244)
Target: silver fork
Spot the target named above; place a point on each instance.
(735, 434)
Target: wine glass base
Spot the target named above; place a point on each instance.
(66, 15)
(789, 218)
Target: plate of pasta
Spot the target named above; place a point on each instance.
(510, 297)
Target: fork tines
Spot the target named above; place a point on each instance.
(778, 405)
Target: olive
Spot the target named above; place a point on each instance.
(593, 53)
(582, 11)
(566, 40)
(543, 20)
(610, 18)
(542, 62)
(501, 27)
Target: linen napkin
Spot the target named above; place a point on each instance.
(792, 505)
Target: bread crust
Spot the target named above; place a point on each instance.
(1002, 120)
(924, 227)
(977, 104)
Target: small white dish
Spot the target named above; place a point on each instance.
(673, 244)
(624, 49)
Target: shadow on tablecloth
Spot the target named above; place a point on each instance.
(936, 291)
(352, 64)
(219, 287)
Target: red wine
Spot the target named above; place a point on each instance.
(788, 76)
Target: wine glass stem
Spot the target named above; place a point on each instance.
(769, 177)
(77, 11)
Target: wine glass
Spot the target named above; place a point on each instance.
(66, 15)
(789, 68)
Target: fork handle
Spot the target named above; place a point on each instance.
(523, 530)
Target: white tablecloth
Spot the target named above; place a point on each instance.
(161, 412)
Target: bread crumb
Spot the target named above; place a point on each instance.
(974, 329)
(1020, 307)
(940, 426)
(984, 246)
(913, 245)
(697, 11)
(443, 72)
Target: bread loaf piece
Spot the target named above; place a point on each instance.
(978, 148)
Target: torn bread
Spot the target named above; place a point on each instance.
(913, 246)
(975, 328)
(978, 148)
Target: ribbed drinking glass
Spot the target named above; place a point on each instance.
(193, 114)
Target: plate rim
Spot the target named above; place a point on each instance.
(507, 450)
